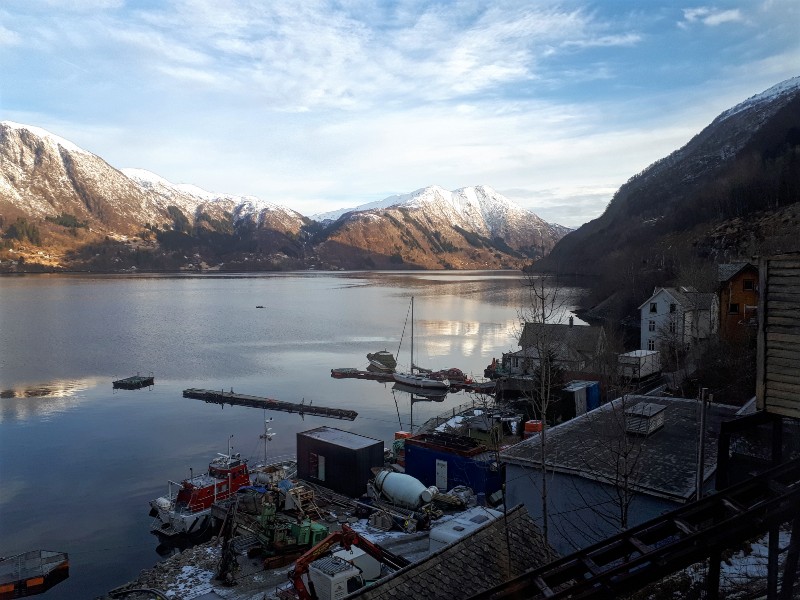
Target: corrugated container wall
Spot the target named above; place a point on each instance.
(444, 470)
(338, 460)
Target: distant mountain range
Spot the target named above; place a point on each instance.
(64, 207)
(730, 193)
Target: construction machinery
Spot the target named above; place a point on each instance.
(334, 577)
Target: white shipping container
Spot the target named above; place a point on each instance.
(639, 364)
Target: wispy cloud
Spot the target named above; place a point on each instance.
(710, 16)
(9, 38)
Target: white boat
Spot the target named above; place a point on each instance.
(416, 378)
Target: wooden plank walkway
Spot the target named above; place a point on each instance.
(234, 399)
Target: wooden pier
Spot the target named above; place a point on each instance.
(234, 399)
(133, 383)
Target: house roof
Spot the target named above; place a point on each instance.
(687, 296)
(581, 338)
(571, 344)
(730, 270)
(586, 446)
(500, 550)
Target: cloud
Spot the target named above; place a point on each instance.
(84, 5)
(9, 38)
(710, 16)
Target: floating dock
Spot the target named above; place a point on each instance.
(234, 399)
(483, 387)
(32, 573)
(347, 373)
(133, 383)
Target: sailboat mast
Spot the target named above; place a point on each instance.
(412, 334)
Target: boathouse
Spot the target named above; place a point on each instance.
(338, 460)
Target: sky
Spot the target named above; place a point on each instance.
(319, 105)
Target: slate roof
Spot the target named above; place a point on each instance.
(688, 297)
(728, 270)
(585, 445)
(570, 344)
(474, 564)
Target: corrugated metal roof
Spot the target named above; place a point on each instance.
(346, 439)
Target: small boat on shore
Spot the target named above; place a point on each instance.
(186, 509)
(383, 360)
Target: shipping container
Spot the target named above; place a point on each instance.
(339, 460)
(446, 461)
(577, 397)
(639, 364)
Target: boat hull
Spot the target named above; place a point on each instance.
(422, 382)
(171, 524)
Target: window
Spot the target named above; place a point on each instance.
(651, 326)
(673, 308)
(733, 308)
(653, 307)
(672, 327)
(651, 344)
(748, 285)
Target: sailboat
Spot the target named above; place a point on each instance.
(415, 378)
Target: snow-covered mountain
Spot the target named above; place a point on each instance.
(43, 175)
(71, 198)
(432, 226)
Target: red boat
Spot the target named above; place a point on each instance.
(186, 509)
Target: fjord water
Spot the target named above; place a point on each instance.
(80, 461)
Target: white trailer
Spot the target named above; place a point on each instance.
(639, 364)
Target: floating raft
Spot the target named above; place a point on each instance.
(32, 573)
(222, 397)
(133, 383)
(348, 373)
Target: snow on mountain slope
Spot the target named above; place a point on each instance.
(784, 89)
(44, 175)
(480, 209)
(193, 201)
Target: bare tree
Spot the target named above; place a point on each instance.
(608, 456)
(545, 305)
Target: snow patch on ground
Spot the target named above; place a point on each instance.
(191, 582)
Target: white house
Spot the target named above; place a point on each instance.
(679, 316)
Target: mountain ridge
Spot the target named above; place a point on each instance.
(47, 182)
(666, 220)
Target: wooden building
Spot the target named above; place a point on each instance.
(738, 299)
(778, 361)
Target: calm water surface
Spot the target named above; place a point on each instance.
(79, 462)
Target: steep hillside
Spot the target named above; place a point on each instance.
(743, 166)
